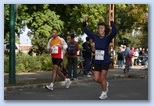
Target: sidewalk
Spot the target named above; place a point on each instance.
(39, 79)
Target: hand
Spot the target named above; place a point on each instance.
(111, 19)
(85, 18)
(50, 50)
(92, 54)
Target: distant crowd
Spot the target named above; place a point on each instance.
(137, 58)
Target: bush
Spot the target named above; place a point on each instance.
(46, 62)
(6, 64)
(26, 63)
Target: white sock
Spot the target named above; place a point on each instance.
(65, 79)
(52, 84)
(104, 92)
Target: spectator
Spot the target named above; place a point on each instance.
(136, 54)
(73, 47)
(132, 60)
(120, 58)
(87, 55)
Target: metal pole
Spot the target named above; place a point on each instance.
(12, 79)
(111, 14)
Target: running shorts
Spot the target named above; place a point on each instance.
(100, 67)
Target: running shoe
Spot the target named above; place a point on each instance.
(49, 87)
(107, 87)
(103, 96)
(67, 82)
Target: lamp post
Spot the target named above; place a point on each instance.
(110, 12)
(12, 77)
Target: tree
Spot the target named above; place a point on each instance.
(132, 17)
(40, 20)
(6, 22)
(140, 13)
(73, 14)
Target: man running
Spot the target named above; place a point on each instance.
(57, 46)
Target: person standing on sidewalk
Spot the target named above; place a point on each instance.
(87, 55)
(128, 58)
(120, 58)
(132, 61)
(71, 54)
(57, 46)
(102, 58)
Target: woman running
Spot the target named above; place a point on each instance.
(102, 57)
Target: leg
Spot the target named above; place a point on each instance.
(69, 67)
(118, 63)
(127, 66)
(103, 80)
(54, 73)
(104, 84)
(97, 77)
(61, 74)
(89, 65)
(122, 63)
(86, 66)
(133, 61)
(75, 67)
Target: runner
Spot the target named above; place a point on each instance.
(102, 58)
(57, 47)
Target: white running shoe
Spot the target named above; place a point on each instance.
(107, 87)
(103, 96)
(88, 76)
(49, 87)
(67, 82)
(75, 79)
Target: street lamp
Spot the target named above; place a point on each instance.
(12, 79)
(12, 16)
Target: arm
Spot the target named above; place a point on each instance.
(114, 31)
(64, 44)
(88, 33)
(85, 46)
(77, 47)
(48, 45)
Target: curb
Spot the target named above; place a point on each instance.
(62, 83)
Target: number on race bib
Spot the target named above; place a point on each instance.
(54, 49)
(99, 54)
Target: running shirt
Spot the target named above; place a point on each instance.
(58, 46)
(101, 44)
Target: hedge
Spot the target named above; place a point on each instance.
(26, 63)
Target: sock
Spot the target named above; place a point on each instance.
(65, 79)
(52, 84)
(104, 92)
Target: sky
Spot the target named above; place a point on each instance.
(24, 39)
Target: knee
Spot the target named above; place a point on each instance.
(103, 78)
(96, 79)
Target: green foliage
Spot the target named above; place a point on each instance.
(73, 16)
(67, 18)
(46, 62)
(42, 21)
(6, 22)
(6, 63)
(26, 63)
(130, 17)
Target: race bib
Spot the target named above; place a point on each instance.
(54, 49)
(99, 54)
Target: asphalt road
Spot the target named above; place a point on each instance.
(119, 89)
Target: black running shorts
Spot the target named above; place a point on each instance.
(57, 61)
(100, 67)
